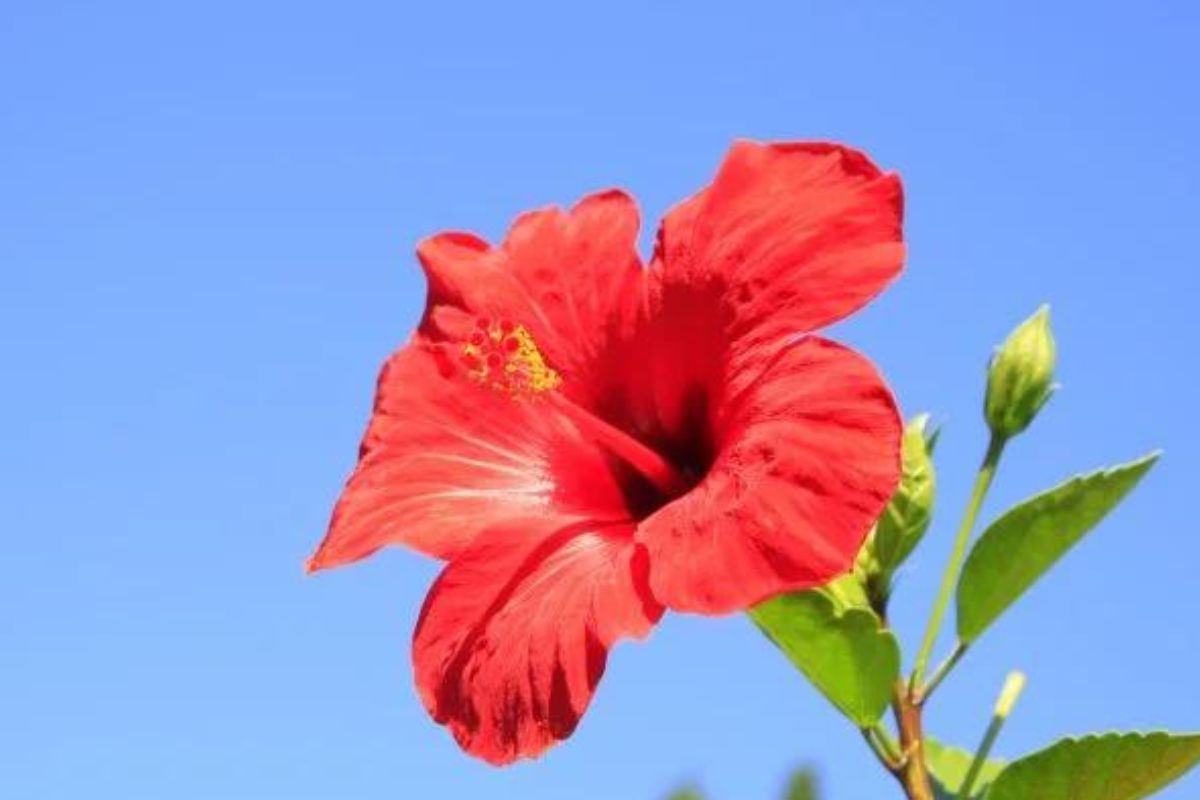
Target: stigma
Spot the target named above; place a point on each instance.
(504, 357)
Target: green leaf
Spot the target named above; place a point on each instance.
(845, 652)
(686, 794)
(802, 786)
(1029, 538)
(1114, 766)
(907, 516)
(948, 767)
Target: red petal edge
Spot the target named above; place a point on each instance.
(573, 278)
(799, 235)
(809, 456)
(515, 633)
(444, 459)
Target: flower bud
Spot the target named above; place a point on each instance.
(907, 516)
(1020, 376)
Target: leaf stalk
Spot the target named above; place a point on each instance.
(983, 481)
(1004, 705)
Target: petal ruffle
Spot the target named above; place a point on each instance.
(515, 633)
(445, 458)
(573, 278)
(795, 236)
(808, 456)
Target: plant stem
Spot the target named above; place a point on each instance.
(913, 774)
(939, 674)
(983, 481)
(1008, 697)
(883, 748)
(885, 741)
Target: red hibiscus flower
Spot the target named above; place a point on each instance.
(588, 441)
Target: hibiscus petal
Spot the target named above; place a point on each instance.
(573, 278)
(808, 456)
(444, 458)
(796, 236)
(515, 633)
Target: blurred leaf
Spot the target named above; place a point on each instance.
(687, 793)
(846, 653)
(1028, 539)
(1110, 767)
(949, 765)
(907, 516)
(802, 786)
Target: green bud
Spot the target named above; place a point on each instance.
(1020, 376)
(907, 516)
(846, 592)
(802, 786)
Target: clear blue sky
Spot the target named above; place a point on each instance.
(207, 215)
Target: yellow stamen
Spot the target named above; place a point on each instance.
(504, 357)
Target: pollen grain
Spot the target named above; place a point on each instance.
(504, 357)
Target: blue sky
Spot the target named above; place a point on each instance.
(207, 215)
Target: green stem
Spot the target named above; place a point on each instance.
(1008, 697)
(983, 480)
(943, 669)
(882, 747)
(885, 741)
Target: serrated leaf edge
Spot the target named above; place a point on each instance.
(1140, 465)
(1088, 737)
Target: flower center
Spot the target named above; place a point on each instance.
(504, 357)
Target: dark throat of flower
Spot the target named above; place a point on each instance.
(644, 460)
